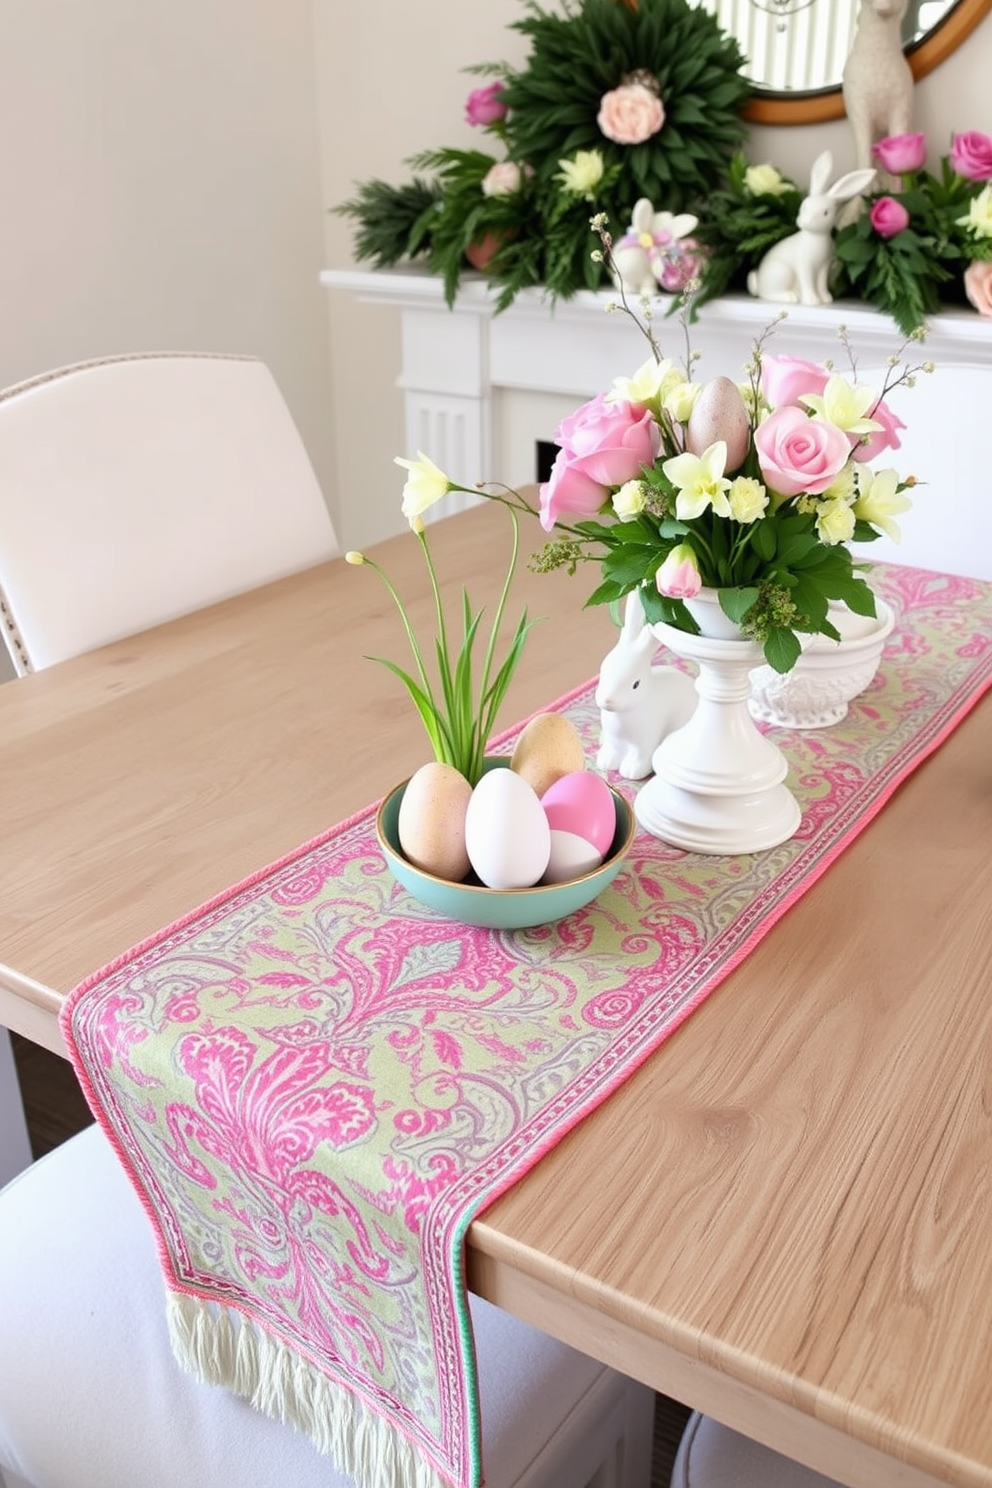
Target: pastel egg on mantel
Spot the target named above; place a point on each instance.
(547, 748)
(582, 816)
(507, 834)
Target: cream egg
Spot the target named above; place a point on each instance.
(570, 857)
(431, 822)
(507, 834)
(547, 748)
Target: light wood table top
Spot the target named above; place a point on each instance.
(784, 1217)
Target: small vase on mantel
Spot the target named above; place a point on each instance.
(718, 783)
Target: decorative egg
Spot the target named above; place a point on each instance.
(507, 834)
(582, 803)
(570, 857)
(547, 748)
(719, 413)
(431, 823)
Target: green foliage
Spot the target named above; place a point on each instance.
(739, 226)
(394, 222)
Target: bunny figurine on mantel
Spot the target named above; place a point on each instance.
(639, 703)
(646, 258)
(796, 270)
(878, 81)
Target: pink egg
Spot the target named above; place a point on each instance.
(582, 803)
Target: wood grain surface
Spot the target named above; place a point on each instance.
(783, 1218)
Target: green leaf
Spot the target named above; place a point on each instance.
(782, 649)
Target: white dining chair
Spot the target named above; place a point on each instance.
(91, 1397)
(134, 489)
(138, 488)
(712, 1456)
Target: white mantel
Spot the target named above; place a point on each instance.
(480, 388)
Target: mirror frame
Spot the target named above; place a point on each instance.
(814, 108)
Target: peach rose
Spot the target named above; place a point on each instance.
(978, 286)
(630, 114)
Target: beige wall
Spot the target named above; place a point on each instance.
(391, 84)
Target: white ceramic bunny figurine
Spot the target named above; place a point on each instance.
(797, 269)
(639, 256)
(639, 703)
(878, 80)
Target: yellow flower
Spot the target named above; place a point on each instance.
(647, 385)
(764, 180)
(700, 482)
(678, 402)
(631, 498)
(834, 522)
(843, 484)
(353, 556)
(979, 218)
(844, 405)
(582, 173)
(879, 501)
(748, 499)
(425, 485)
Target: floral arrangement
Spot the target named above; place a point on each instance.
(909, 250)
(927, 240)
(458, 708)
(616, 102)
(752, 490)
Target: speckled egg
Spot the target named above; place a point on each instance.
(719, 413)
(548, 748)
(431, 823)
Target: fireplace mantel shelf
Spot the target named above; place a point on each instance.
(456, 363)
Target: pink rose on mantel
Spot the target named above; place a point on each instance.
(799, 454)
(900, 153)
(978, 286)
(601, 445)
(786, 379)
(888, 216)
(485, 106)
(971, 155)
(630, 114)
(887, 437)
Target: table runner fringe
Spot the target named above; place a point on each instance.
(219, 1347)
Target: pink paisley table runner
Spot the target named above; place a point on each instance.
(316, 1083)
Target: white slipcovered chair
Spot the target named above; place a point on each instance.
(135, 489)
(713, 1456)
(91, 1397)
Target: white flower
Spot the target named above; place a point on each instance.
(679, 401)
(631, 498)
(648, 385)
(834, 522)
(425, 485)
(748, 499)
(879, 501)
(979, 218)
(502, 179)
(700, 482)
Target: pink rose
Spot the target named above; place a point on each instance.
(978, 286)
(602, 445)
(786, 379)
(505, 178)
(887, 437)
(485, 106)
(888, 216)
(630, 114)
(799, 454)
(900, 153)
(971, 156)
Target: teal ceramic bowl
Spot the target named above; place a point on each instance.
(501, 909)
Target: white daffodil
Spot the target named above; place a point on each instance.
(647, 385)
(748, 499)
(834, 522)
(879, 502)
(425, 485)
(631, 498)
(700, 482)
(845, 405)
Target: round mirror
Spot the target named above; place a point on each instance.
(796, 49)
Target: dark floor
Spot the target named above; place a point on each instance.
(56, 1110)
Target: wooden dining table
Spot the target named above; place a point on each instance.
(784, 1217)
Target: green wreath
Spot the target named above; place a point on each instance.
(594, 47)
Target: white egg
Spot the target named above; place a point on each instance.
(571, 856)
(507, 834)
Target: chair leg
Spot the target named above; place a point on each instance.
(15, 1144)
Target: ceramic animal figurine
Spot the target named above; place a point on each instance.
(877, 80)
(639, 703)
(642, 257)
(797, 269)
